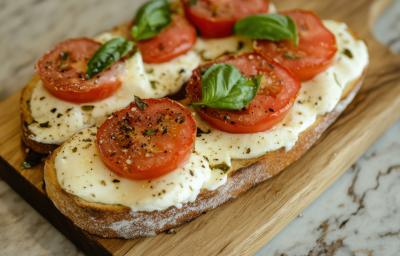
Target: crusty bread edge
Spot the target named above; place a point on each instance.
(116, 221)
(26, 120)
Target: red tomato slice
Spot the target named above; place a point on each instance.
(176, 39)
(216, 18)
(317, 47)
(63, 69)
(275, 97)
(148, 143)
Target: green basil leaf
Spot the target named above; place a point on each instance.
(109, 53)
(140, 103)
(151, 19)
(272, 27)
(224, 87)
(293, 28)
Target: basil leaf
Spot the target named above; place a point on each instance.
(224, 87)
(272, 27)
(293, 28)
(140, 103)
(107, 54)
(151, 19)
(149, 132)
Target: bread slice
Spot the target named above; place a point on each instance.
(116, 221)
(25, 111)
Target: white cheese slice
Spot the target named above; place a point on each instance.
(81, 172)
(57, 120)
(167, 78)
(316, 97)
(210, 49)
(158, 80)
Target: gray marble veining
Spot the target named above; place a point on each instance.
(359, 215)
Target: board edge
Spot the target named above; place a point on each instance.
(42, 204)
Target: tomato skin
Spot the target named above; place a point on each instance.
(271, 104)
(176, 39)
(315, 52)
(62, 71)
(202, 14)
(242, 128)
(146, 144)
(211, 28)
(87, 96)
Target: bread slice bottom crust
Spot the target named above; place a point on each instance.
(116, 221)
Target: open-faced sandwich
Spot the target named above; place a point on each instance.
(256, 89)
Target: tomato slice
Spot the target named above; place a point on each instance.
(315, 52)
(176, 39)
(278, 90)
(148, 140)
(63, 69)
(216, 18)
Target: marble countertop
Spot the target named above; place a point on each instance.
(359, 215)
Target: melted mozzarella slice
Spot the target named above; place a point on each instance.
(316, 97)
(158, 80)
(57, 120)
(81, 172)
(210, 49)
(168, 78)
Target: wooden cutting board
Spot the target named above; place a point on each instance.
(241, 227)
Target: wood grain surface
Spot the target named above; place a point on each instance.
(241, 227)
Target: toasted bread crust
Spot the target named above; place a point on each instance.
(26, 120)
(116, 221)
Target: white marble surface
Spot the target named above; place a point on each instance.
(387, 28)
(359, 215)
